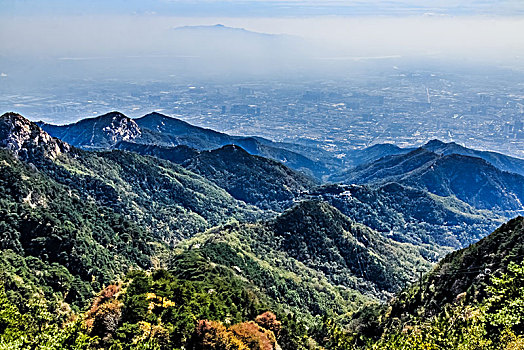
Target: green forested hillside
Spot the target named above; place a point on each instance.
(116, 250)
(263, 182)
(408, 214)
(168, 200)
(322, 237)
(471, 300)
(52, 223)
(472, 180)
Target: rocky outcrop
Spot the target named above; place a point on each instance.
(25, 139)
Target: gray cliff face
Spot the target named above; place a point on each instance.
(120, 128)
(24, 138)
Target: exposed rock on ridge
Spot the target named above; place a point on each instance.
(25, 139)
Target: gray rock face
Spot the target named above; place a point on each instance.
(24, 138)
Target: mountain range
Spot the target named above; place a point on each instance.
(472, 180)
(120, 232)
(457, 188)
(160, 130)
(253, 179)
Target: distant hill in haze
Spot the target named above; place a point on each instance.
(200, 38)
(220, 28)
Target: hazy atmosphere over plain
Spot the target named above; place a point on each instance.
(61, 61)
(309, 35)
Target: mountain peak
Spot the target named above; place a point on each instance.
(24, 138)
(434, 143)
(119, 127)
(98, 132)
(221, 28)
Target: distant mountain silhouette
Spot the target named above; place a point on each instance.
(470, 179)
(99, 132)
(105, 131)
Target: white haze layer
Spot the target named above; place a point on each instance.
(300, 42)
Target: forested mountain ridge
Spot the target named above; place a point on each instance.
(373, 153)
(408, 214)
(501, 161)
(49, 221)
(253, 179)
(321, 236)
(105, 131)
(166, 199)
(470, 179)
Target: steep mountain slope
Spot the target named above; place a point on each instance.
(169, 201)
(323, 238)
(252, 179)
(465, 271)
(58, 230)
(156, 129)
(99, 132)
(471, 300)
(470, 179)
(500, 161)
(408, 214)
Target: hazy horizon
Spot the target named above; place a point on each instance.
(59, 37)
(61, 61)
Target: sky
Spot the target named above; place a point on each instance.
(264, 8)
(45, 34)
